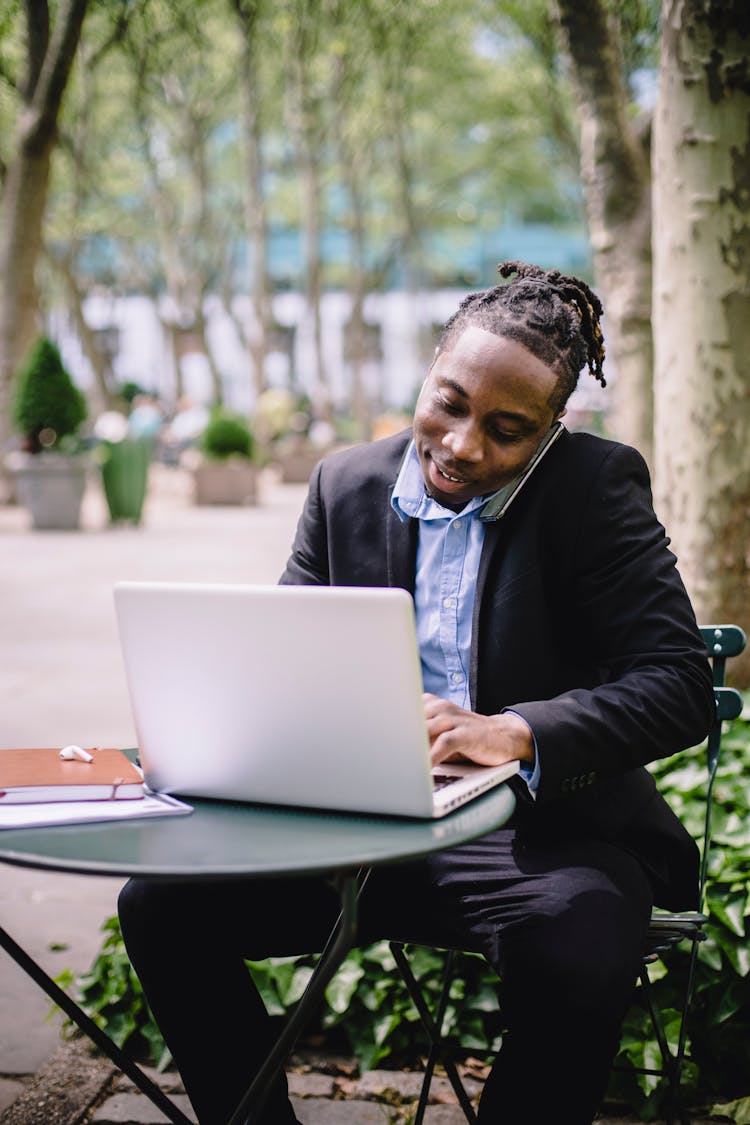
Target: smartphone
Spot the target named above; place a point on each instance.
(498, 505)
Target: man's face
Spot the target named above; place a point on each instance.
(483, 410)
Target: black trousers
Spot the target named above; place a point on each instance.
(563, 923)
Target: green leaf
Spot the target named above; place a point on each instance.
(738, 1111)
(710, 954)
(736, 952)
(731, 911)
(297, 984)
(381, 954)
(343, 986)
(656, 971)
(671, 1021)
(120, 1027)
(383, 1027)
(485, 1000)
(729, 1003)
(425, 961)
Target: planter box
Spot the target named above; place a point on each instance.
(51, 487)
(296, 462)
(234, 481)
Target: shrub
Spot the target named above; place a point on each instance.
(111, 994)
(226, 435)
(47, 407)
(719, 1024)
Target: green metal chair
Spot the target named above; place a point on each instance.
(666, 930)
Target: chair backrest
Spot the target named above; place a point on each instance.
(722, 642)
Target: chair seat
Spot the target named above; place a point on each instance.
(666, 930)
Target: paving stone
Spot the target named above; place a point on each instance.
(136, 1109)
(321, 1111)
(10, 1089)
(311, 1085)
(375, 1083)
(444, 1115)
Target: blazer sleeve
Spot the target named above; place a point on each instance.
(628, 615)
(308, 563)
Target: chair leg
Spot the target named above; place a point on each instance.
(679, 1057)
(672, 1063)
(666, 1054)
(433, 1027)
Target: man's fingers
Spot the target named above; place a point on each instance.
(442, 751)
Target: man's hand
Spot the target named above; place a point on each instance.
(488, 740)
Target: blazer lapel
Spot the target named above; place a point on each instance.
(401, 549)
(489, 547)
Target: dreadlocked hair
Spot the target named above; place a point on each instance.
(555, 316)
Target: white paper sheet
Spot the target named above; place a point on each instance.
(83, 812)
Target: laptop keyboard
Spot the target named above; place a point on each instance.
(440, 780)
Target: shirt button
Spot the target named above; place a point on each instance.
(456, 524)
(457, 677)
(448, 603)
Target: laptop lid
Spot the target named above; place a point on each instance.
(294, 695)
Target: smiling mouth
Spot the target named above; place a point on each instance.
(447, 476)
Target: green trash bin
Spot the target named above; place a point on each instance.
(124, 466)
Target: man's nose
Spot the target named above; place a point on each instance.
(464, 441)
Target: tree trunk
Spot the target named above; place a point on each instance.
(702, 302)
(24, 202)
(173, 334)
(307, 130)
(201, 330)
(355, 334)
(616, 182)
(103, 396)
(310, 181)
(27, 182)
(256, 222)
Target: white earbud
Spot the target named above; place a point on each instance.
(70, 752)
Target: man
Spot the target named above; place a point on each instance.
(553, 630)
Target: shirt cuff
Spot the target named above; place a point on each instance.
(532, 776)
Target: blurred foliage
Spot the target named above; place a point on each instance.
(226, 435)
(396, 144)
(48, 407)
(153, 145)
(111, 994)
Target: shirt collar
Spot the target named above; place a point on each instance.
(410, 499)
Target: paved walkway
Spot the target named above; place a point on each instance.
(61, 680)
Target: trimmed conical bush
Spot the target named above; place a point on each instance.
(47, 405)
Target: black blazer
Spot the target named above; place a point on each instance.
(581, 625)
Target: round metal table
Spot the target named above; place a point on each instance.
(222, 840)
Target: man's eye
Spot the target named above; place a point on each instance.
(504, 437)
(451, 407)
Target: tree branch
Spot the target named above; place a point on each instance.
(617, 157)
(37, 31)
(50, 87)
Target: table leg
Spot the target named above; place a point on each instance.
(339, 945)
(87, 1025)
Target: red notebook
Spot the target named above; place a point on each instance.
(38, 775)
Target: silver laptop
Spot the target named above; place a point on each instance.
(295, 695)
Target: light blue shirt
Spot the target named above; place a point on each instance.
(449, 548)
